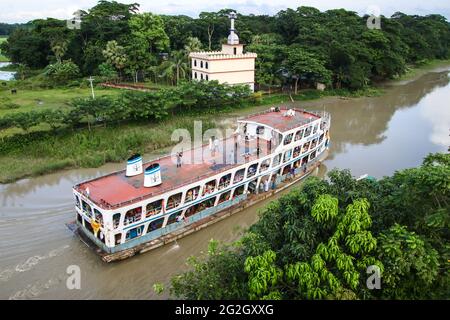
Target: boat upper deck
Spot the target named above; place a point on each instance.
(279, 121)
(117, 190)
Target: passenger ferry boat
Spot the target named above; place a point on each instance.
(148, 205)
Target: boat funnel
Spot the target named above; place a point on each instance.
(152, 175)
(134, 165)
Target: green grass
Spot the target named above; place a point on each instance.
(2, 57)
(28, 99)
(415, 71)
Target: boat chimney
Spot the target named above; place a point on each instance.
(134, 165)
(152, 175)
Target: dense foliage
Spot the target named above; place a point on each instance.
(318, 241)
(200, 97)
(296, 47)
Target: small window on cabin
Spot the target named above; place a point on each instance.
(306, 147)
(239, 176)
(133, 215)
(276, 160)
(155, 225)
(315, 128)
(174, 217)
(77, 201)
(287, 155)
(224, 181)
(238, 191)
(235, 50)
(153, 208)
(98, 217)
(201, 64)
(86, 208)
(308, 131)
(118, 238)
(134, 233)
(174, 201)
(252, 170)
(288, 139)
(116, 220)
(297, 151)
(264, 165)
(299, 135)
(192, 194)
(225, 196)
(209, 187)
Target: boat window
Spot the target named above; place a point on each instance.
(224, 181)
(297, 151)
(252, 170)
(98, 217)
(315, 128)
(192, 194)
(134, 233)
(86, 208)
(200, 207)
(304, 160)
(306, 147)
(312, 155)
(174, 201)
(252, 186)
(264, 165)
(287, 155)
(276, 160)
(174, 217)
(239, 176)
(286, 169)
(288, 139)
(308, 131)
(153, 208)
(238, 191)
(297, 163)
(209, 187)
(79, 218)
(322, 125)
(118, 238)
(225, 196)
(299, 135)
(133, 215)
(260, 130)
(321, 138)
(313, 144)
(155, 225)
(77, 201)
(116, 219)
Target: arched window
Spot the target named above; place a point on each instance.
(206, 77)
(195, 75)
(195, 63)
(206, 65)
(201, 76)
(234, 50)
(201, 64)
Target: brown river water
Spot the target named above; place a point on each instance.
(375, 135)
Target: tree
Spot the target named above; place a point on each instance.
(302, 64)
(174, 68)
(115, 55)
(150, 28)
(61, 72)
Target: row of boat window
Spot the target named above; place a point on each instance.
(174, 201)
(303, 133)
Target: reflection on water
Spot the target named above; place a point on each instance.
(369, 135)
(6, 75)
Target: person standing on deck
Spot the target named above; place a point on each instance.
(179, 155)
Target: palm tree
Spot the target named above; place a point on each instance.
(174, 68)
(192, 44)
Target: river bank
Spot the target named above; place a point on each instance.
(51, 152)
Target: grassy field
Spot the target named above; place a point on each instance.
(2, 57)
(416, 71)
(27, 99)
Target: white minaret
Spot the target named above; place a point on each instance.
(233, 37)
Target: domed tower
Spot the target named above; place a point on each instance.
(230, 65)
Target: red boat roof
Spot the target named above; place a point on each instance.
(279, 121)
(117, 190)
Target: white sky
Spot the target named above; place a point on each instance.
(25, 10)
